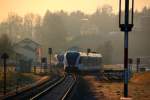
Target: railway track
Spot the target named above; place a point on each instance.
(114, 74)
(58, 91)
(31, 91)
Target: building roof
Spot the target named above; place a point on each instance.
(28, 44)
(27, 41)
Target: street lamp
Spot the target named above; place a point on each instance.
(126, 27)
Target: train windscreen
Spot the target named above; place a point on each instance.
(72, 58)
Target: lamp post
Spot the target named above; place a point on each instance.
(126, 27)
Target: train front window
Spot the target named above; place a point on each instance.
(72, 58)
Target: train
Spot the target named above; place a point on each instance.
(71, 61)
(59, 59)
(75, 61)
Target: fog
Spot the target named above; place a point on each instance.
(98, 31)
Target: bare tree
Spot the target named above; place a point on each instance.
(14, 26)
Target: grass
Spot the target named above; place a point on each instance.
(15, 79)
(139, 88)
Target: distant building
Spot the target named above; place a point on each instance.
(26, 54)
(88, 28)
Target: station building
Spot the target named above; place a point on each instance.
(26, 55)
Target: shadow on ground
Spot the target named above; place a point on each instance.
(83, 91)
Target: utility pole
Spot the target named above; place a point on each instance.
(126, 27)
(4, 57)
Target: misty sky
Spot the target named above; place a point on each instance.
(40, 6)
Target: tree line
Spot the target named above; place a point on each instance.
(61, 30)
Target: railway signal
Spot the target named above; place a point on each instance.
(88, 51)
(138, 63)
(50, 57)
(126, 27)
(44, 63)
(4, 57)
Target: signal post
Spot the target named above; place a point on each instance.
(126, 27)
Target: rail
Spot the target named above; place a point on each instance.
(47, 89)
(30, 91)
(58, 91)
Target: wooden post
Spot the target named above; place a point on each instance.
(4, 57)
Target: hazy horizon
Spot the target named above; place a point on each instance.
(21, 7)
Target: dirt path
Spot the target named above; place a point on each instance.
(102, 90)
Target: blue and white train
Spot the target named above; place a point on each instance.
(81, 61)
(91, 62)
(71, 61)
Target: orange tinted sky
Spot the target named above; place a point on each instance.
(40, 6)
